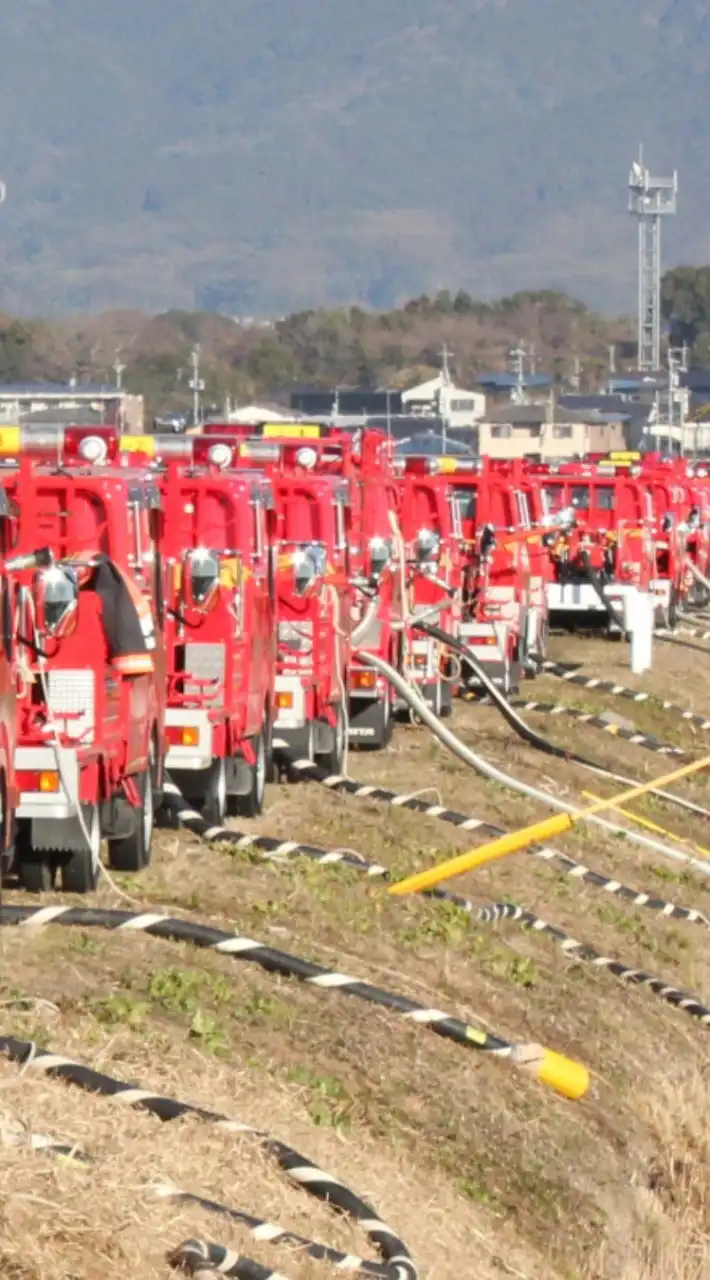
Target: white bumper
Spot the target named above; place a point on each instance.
(489, 642)
(197, 756)
(55, 805)
(293, 717)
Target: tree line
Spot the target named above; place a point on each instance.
(346, 346)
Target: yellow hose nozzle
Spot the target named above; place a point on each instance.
(569, 1078)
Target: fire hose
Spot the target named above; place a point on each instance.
(562, 1074)
(519, 725)
(271, 849)
(625, 733)
(486, 770)
(275, 850)
(398, 1264)
(663, 635)
(573, 675)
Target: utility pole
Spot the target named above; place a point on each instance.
(119, 369)
(650, 200)
(197, 386)
(517, 356)
(677, 364)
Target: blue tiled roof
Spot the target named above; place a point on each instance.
(505, 381)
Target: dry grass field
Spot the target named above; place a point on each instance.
(483, 1171)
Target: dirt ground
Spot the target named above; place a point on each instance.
(483, 1171)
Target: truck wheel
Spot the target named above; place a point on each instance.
(213, 801)
(333, 760)
(432, 695)
(447, 698)
(133, 852)
(301, 747)
(251, 804)
(80, 869)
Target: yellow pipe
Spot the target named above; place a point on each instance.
(535, 834)
(653, 826)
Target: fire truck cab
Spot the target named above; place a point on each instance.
(90, 744)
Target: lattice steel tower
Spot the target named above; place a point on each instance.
(650, 200)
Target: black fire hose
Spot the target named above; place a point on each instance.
(619, 621)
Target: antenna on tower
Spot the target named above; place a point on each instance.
(650, 200)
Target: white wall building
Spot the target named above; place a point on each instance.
(439, 397)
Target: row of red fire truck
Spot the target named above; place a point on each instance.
(204, 605)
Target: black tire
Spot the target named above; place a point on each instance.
(302, 747)
(432, 695)
(251, 804)
(133, 853)
(213, 801)
(332, 760)
(80, 870)
(36, 872)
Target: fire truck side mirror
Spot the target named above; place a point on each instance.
(488, 539)
(56, 597)
(200, 578)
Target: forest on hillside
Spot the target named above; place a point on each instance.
(347, 346)
(325, 347)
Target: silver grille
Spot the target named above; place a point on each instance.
(70, 692)
(205, 662)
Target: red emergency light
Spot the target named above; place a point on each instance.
(93, 445)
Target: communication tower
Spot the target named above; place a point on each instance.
(650, 200)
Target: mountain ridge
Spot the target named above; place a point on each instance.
(164, 154)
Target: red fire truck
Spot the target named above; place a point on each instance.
(429, 536)
(10, 673)
(504, 604)
(90, 746)
(219, 633)
(607, 547)
(310, 536)
(365, 458)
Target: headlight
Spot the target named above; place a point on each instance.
(201, 577)
(308, 565)
(57, 596)
(380, 554)
(427, 545)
